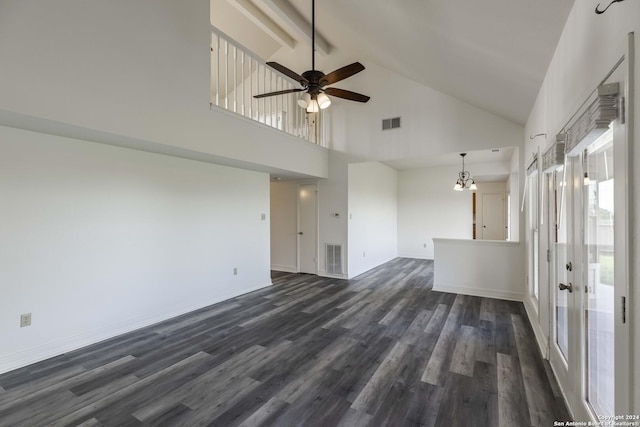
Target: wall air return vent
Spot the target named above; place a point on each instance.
(391, 123)
(333, 259)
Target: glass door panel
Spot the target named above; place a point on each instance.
(599, 306)
(561, 261)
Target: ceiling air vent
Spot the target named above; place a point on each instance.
(391, 123)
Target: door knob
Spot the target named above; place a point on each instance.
(564, 287)
(569, 266)
(300, 233)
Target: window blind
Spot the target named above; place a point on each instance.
(594, 121)
(554, 155)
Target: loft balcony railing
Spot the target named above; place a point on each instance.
(237, 74)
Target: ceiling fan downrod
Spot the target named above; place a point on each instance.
(314, 82)
(313, 34)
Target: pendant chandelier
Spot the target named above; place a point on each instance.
(464, 179)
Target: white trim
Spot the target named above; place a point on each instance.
(486, 293)
(623, 205)
(323, 273)
(466, 242)
(562, 391)
(541, 338)
(284, 268)
(415, 256)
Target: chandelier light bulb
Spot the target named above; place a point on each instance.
(313, 106)
(304, 100)
(323, 101)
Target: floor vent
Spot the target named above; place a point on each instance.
(333, 259)
(391, 123)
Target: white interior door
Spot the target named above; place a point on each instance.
(493, 217)
(589, 336)
(308, 228)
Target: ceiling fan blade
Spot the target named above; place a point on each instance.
(280, 92)
(287, 72)
(346, 94)
(341, 74)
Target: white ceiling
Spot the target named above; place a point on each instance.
(484, 165)
(492, 54)
(502, 155)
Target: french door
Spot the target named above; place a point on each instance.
(588, 263)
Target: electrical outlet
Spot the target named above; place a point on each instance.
(235, 271)
(425, 245)
(263, 216)
(25, 320)
(364, 254)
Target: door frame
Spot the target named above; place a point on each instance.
(316, 228)
(574, 376)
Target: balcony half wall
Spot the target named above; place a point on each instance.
(135, 74)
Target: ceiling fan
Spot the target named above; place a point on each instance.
(313, 82)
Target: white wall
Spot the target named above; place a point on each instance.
(513, 187)
(429, 208)
(139, 70)
(373, 216)
(589, 47)
(432, 122)
(284, 226)
(99, 240)
(333, 198)
(486, 268)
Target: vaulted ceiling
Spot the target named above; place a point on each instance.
(492, 54)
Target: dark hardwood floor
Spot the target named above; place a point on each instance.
(379, 350)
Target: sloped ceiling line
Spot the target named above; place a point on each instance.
(296, 27)
(297, 23)
(265, 23)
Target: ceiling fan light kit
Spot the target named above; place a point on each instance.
(313, 103)
(313, 82)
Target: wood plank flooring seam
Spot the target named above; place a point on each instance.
(381, 349)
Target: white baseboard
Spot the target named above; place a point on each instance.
(416, 256)
(70, 343)
(478, 292)
(541, 337)
(323, 273)
(284, 268)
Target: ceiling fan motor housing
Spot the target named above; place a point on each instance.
(314, 79)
